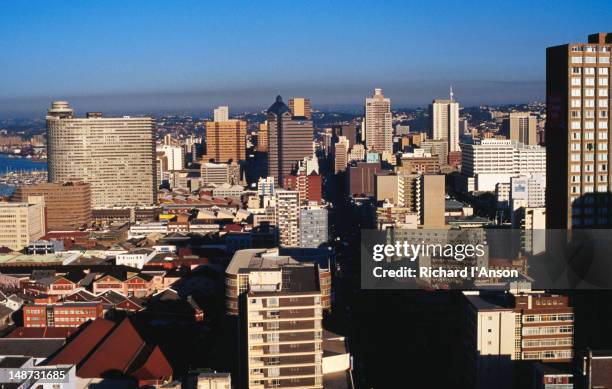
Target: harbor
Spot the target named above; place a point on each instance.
(15, 171)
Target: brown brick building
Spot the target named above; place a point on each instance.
(68, 205)
(61, 314)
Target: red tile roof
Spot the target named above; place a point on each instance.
(115, 353)
(154, 367)
(104, 349)
(78, 349)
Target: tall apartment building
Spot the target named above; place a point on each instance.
(279, 302)
(313, 226)
(341, 150)
(444, 116)
(226, 141)
(578, 134)
(308, 186)
(22, 222)
(116, 156)
(491, 161)
(221, 114)
(68, 205)
(521, 127)
(287, 217)
(219, 173)
(502, 328)
(378, 123)
(300, 107)
(290, 140)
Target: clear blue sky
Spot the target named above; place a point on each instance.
(191, 55)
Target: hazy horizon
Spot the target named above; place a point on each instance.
(344, 97)
(192, 56)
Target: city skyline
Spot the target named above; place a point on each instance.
(209, 65)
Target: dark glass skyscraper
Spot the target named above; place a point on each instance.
(290, 140)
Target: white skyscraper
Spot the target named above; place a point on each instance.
(221, 114)
(444, 124)
(116, 155)
(378, 123)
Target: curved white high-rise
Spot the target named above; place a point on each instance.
(115, 155)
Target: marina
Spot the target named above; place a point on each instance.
(16, 171)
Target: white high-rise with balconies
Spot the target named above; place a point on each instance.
(116, 156)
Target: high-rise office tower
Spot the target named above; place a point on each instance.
(289, 140)
(226, 141)
(522, 127)
(378, 123)
(221, 114)
(300, 107)
(578, 181)
(116, 156)
(287, 217)
(444, 116)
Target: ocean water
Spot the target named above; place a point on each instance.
(16, 164)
